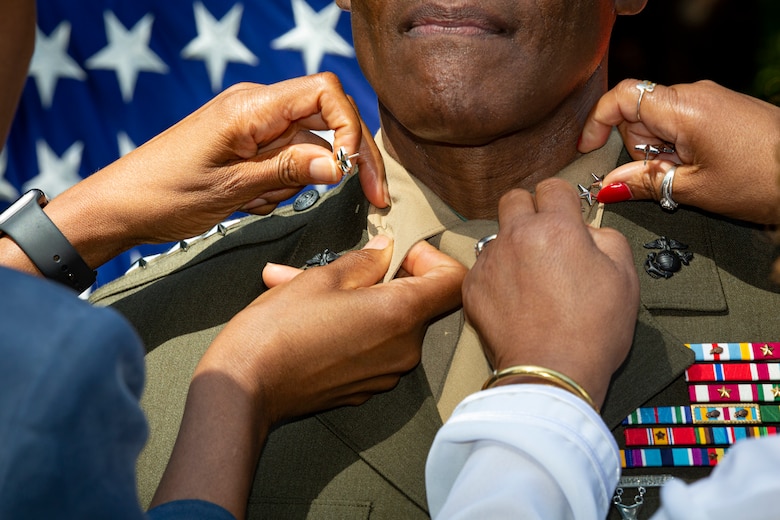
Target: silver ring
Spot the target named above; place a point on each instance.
(482, 242)
(643, 86)
(667, 202)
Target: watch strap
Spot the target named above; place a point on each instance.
(46, 246)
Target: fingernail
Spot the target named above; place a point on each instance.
(252, 204)
(323, 169)
(378, 242)
(617, 192)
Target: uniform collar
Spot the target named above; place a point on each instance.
(416, 213)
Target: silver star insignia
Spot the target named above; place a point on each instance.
(585, 194)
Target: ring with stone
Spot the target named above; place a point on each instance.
(643, 86)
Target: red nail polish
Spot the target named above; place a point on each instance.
(617, 192)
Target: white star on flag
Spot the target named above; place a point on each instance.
(7, 190)
(314, 35)
(125, 144)
(217, 43)
(50, 62)
(127, 53)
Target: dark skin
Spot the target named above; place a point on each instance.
(725, 170)
(250, 148)
(541, 266)
(496, 84)
(17, 25)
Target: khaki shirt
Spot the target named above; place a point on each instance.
(416, 214)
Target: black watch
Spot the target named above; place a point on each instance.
(45, 245)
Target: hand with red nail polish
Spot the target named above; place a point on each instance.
(614, 192)
(727, 146)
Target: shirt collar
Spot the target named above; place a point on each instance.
(416, 213)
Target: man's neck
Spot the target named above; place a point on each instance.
(471, 179)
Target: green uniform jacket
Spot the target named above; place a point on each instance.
(368, 461)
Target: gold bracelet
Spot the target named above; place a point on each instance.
(548, 376)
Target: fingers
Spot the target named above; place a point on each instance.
(349, 264)
(295, 135)
(529, 220)
(316, 102)
(515, 204)
(338, 112)
(620, 107)
(551, 195)
(557, 196)
(295, 166)
(277, 274)
(613, 244)
(372, 169)
(603, 116)
(266, 202)
(434, 286)
(724, 144)
(276, 113)
(640, 181)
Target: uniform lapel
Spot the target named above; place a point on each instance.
(392, 433)
(658, 357)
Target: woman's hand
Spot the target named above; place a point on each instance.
(553, 292)
(248, 149)
(332, 336)
(328, 337)
(727, 146)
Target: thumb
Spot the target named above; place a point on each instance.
(294, 166)
(277, 274)
(355, 268)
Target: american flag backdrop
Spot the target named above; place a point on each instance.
(107, 75)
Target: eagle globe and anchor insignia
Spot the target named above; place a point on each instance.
(670, 259)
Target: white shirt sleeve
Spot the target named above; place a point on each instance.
(522, 451)
(745, 484)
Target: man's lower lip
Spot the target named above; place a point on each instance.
(441, 30)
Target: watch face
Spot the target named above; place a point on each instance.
(31, 197)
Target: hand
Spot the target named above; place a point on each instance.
(330, 336)
(553, 292)
(727, 145)
(249, 148)
(325, 337)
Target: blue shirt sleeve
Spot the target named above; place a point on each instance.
(189, 509)
(71, 426)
